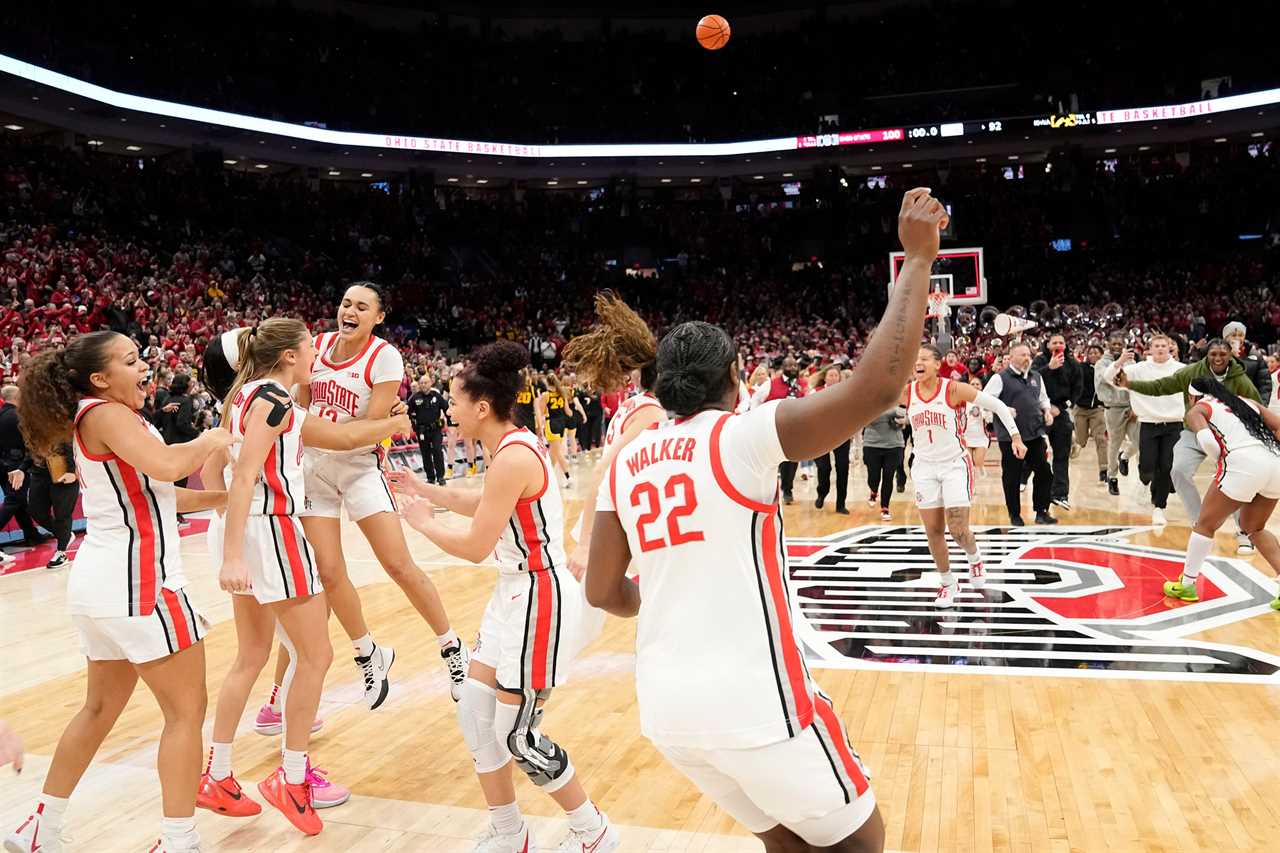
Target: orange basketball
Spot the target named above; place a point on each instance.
(713, 32)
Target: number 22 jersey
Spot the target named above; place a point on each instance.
(717, 661)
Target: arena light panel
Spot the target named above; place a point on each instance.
(171, 109)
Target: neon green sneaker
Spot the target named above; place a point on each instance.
(1175, 589)
(1275, 605)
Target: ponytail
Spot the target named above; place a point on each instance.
(51, 387)
(259, 350)
(1246, 414)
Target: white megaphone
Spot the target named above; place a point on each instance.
(1007, 324)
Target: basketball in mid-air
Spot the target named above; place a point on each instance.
(713, 32)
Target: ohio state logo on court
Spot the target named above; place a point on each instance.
(1059, 601)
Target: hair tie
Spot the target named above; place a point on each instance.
(254, 331)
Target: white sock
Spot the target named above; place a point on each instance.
(585, 818)
(975, 557)
(947, 578)
(1197, 549)
(448, 638)
(219, 761)
(51, 810)
(363, 645)
(179, 833)
(294, 763)
(507, 819)
(274, 701)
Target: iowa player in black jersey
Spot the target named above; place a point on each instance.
(553, 403)
(524, 410)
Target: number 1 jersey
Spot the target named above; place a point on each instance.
(717, 661)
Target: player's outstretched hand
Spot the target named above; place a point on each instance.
(920, 222)
(407, 483)
(417, 512)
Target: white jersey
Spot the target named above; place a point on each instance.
(533, 540)
(130, 550)
(975, 427)
(1228, 429)
(340, 391)
(937, 426)
(630, 406)
(279, 488)
(717, 661)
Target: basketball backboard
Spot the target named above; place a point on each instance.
(960, 272)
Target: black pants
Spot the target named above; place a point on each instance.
(787, 472)
(1155, 459)
(431, 446)
(823, 462)
(882, 464)
(1060, 433)
(15, 507)
(902, 469)
(590, 435)
(52, 504)
(1011, 468)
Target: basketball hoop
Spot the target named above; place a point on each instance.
(938, 307)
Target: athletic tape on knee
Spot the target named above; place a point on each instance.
(475, 711)
(543, 760)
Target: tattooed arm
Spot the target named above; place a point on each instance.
(813, 425)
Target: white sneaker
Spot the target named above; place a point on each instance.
(606, 839)
(32, 836)
(1243, 545)
(519, 842)
(458, 660)
(1157, 517)
(946, 595)
(160, 847)
(6, 558)
(374, 668)
(977, 575)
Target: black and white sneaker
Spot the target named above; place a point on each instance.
(458, 659)
(1062, 503)
(59, 560)
(374, 668)
(1124, 465)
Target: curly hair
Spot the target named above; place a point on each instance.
(51, 387)
(617, 344)
(495, 373)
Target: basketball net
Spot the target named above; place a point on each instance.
(938, 307)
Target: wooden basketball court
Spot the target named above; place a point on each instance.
(1067, 708)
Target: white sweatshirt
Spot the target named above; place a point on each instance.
(1168, 408)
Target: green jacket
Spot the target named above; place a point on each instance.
(1236, 381)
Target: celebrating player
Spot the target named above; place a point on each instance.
(943, 472)
(126, 593)
(357, 375)
(976, 440)
(723, 690)
(532, 627)
(619, 347)
(267, 559)
(1245, 439)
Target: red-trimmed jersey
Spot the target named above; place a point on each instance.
(1228, 429)
(340, 391)
(629, 407)
(718, 665)
(279, 488)
(130, 549)
(937, 426)
(533, 540)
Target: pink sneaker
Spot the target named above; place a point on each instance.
(324, 794)
(271, 722)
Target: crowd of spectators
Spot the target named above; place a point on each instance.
(889, 64)
(170, 255)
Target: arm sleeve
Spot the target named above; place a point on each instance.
(993, 404)
(1174, 383)
(388, 366)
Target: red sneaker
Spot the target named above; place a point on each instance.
(293, 801)
(225, 796)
